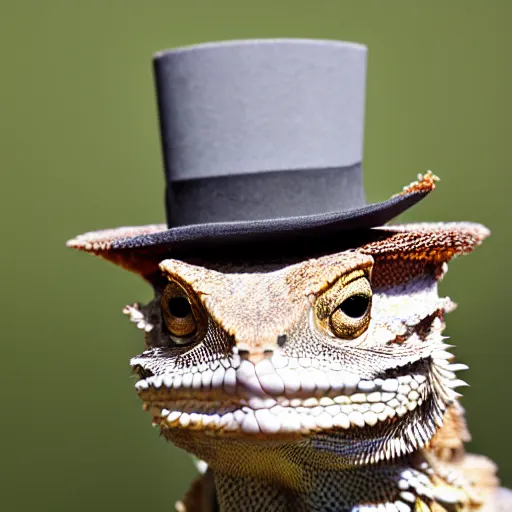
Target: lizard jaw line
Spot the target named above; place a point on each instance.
(231, 407)
(269, 416)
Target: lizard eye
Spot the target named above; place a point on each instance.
(183, 315)
(355, 306)
(344, 309)
(351, 318)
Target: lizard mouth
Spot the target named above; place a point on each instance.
(234, 398)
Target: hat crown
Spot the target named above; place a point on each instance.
(242, 107)
(262, 142)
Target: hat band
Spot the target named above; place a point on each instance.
(265, 195)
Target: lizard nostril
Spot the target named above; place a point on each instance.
(243, 353)
(255, 356)
(281, 340)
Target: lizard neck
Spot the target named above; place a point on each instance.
(400, 485)
(297, 476)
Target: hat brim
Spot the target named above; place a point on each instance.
(369, 216)
(140, 248)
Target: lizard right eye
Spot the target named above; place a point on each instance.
(183, 315)
(344, 309)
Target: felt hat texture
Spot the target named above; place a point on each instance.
(262, 141)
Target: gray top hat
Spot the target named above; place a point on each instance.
(263, 139)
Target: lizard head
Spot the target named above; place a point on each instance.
(342, 353)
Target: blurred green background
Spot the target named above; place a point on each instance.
(79, 150)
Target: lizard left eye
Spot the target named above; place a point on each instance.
(183, 316)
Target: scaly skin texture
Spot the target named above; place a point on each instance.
(319, 385)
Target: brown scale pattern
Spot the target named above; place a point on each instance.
(387, 273)
(429, 243)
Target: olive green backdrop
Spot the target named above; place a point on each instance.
(79, 150)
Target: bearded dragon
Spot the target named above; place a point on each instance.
(311, 383)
